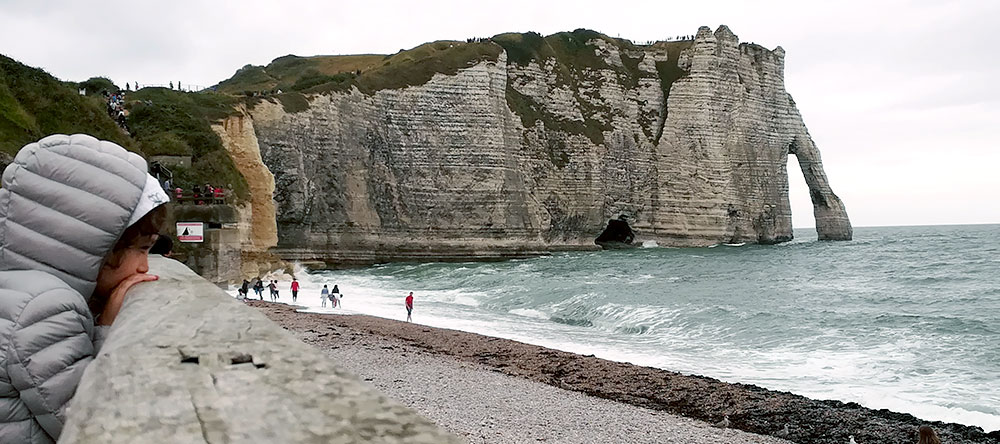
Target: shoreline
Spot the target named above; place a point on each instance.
(750, 408)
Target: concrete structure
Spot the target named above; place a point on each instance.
(172, 161)
(185, 363)
(218, 258)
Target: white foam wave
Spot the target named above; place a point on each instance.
(529, 313)
(870, 376)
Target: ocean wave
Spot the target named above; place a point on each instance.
(589, 310)
(576, 322)
(949, 325)
(844, 320)
(529, 313)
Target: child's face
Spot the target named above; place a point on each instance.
(135, 260)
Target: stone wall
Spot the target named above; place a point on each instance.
(186, 363)
(219, 257)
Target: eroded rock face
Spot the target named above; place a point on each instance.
(256, 220)
(690, 140)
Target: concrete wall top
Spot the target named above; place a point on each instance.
(186, 363)
(205, 213)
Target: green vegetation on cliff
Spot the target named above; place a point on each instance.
(168, 122)
(574, 57)
(33, 104)
(669, 71)
(286, 72)
(418, 65)
(97, 86)
(294, 76)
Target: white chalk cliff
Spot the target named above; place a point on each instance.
(689, 140)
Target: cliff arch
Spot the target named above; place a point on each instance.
(832, 222)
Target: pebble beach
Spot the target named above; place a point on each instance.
(492, 390)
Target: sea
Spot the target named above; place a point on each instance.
(900, 318)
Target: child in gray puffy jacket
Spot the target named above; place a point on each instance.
(77, 219)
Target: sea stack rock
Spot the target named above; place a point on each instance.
(535, 146)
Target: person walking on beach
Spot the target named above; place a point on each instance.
(295, 289)
(323, 295)
(335, 296)
(258, 287)
(273, 288)
(244, 289)
(277, 294)
(409, 307)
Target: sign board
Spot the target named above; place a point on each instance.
(191, 231)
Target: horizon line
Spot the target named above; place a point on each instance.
(911, 225)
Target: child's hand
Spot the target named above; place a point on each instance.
(117, 297)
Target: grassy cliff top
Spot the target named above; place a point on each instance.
(284, 72)
(373, 72)
(168, 122)
(161, 121)
(33, 104)
(367, 72)
(572, 55)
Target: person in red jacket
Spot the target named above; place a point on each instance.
(409, 307)
(295, 289)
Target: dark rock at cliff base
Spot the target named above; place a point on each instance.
(618, 235)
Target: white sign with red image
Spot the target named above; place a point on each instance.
(191, 231)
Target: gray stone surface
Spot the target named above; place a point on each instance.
(185, 363)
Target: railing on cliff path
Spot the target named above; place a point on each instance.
(175, 87)
(186, 363)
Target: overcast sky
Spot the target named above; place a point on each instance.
(901, 96)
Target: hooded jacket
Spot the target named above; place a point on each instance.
(65, 201)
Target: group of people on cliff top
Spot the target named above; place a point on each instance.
(204, 195)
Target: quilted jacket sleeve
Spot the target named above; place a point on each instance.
(49, 346)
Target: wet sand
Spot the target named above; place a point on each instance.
(494, 390)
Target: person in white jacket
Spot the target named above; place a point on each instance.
(77, 219)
